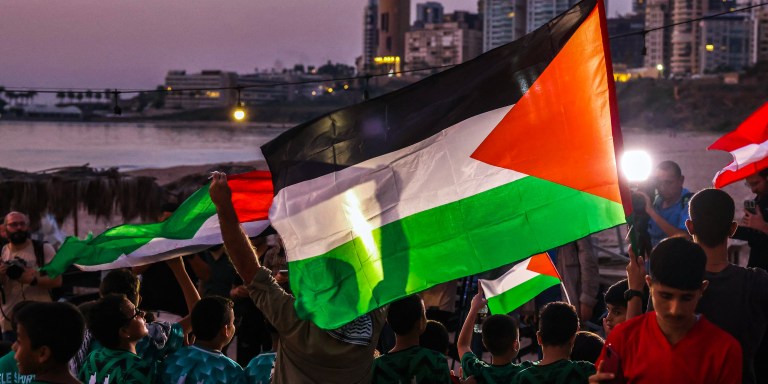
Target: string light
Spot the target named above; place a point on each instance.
(239, 113)
(366, 77)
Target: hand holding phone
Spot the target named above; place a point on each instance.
(612, 364)
(750, 206)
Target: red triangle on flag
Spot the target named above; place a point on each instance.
(542, 265)
(561, 130)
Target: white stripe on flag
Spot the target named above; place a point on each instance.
(158, 249)
(746, 155)
(318, 215)
(512, 278)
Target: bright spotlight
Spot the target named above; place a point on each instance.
(636, 166)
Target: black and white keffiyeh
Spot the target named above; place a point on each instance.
(357, 332)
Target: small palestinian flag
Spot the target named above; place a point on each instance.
(490, 162)
(192, 228)
(748, 144)
(520, 284)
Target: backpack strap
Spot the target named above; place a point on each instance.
(37, 246)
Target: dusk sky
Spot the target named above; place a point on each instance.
(133, 43)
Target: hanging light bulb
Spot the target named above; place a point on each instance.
(239, 112)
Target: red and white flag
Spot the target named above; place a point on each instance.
(748, 144)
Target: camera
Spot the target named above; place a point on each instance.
(16, 267)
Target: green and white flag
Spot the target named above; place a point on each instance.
(520, 284)
(192, 228)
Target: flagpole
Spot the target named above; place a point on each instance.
(565, 292)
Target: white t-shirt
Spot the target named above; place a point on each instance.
(15, 291)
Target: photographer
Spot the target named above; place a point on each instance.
(669, 210)
(20, 260)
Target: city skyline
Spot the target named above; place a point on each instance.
(110, 44)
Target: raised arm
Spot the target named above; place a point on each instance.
(465, 336)
(235, 240)
(191, 296)
(636, 281)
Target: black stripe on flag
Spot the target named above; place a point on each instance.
(393, 121)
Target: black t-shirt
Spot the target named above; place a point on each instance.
(757, 240)
(736, 300)
(160, 290)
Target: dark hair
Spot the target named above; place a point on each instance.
(209, 315)
(558, 323)
(587, 347)
(670, 166)
(615, 293)
(499, 333)
(763, 173)
(678, 263)
(712, 212)
(435, 337)
(105, 319)
(121, 281)
(405, 314)
(59, 326)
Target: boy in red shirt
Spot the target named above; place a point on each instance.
(672, 344)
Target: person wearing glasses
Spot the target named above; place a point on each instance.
(129, 353)
(669, 209)
(118, 325)
(20, 260)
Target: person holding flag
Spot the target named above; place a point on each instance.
(306, 353)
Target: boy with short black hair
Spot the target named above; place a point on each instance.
(213, 327)
(407, 361)
(616, 305)
(587, 347)
(673, 344)
(49, 334)
(558, 324)
(501, 338)
(435, 337)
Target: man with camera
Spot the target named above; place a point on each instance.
(20, 260)
(669, 211)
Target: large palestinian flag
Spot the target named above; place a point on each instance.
(490, 162)
(192, 228)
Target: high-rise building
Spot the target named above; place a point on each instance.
(542, 11)
(451, 42)
(429, 12)
(394, 22)
(760, 36)
(658, 43)
(626, 50)
(370, 34)
(183, 89)
(687, 38)
(503, 21)
(725, 43)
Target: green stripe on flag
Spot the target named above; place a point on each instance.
(124, 239)
(512, 299)
(476, 234)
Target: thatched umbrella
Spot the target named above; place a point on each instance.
(63, 191)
